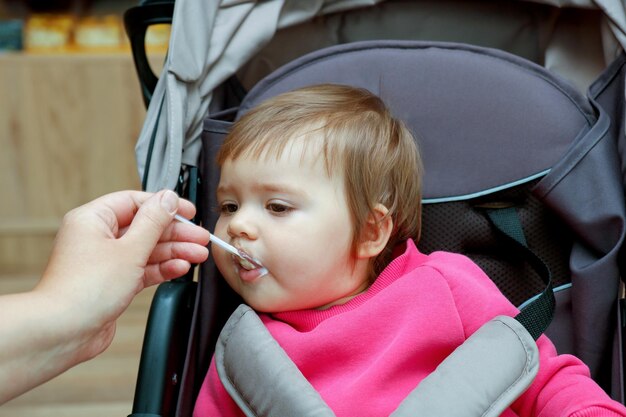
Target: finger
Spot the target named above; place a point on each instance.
(151, 220)
(119, 208)
(158, 273)
(181, 232)
(125, 204)
(186, 209)
(191, 252)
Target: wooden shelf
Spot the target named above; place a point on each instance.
(68, 127)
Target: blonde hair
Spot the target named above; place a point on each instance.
(361, 140)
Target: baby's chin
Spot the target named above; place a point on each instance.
(276, 309)
(261, 307)
(268, 307)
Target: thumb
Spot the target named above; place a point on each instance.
(151, 220)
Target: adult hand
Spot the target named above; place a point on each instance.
(105, 252)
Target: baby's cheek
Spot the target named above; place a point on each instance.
(222, 261)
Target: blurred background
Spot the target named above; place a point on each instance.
(70, 113)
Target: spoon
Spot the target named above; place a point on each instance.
(227, 247)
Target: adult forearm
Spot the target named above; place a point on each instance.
(39, 339)
(105, 252)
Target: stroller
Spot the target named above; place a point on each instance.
(553, 157)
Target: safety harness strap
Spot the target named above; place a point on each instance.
(482, 377)
(264, 382)
(258, 374)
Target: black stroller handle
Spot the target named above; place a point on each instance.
(136, 22)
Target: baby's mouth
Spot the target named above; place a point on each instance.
(244, 263)
(248, 263)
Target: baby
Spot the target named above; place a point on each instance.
(322, 186)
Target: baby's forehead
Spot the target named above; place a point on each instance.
(307, 148)
(301, 164)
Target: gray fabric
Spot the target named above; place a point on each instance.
(258, 374)
(438, 89)
(263, 381)
(211, 40)
(610, 93)
(510, 26)
(585, 190)
(482, 377)
(575, 43)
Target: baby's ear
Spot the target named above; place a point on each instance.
(375, 234)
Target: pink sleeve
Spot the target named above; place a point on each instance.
(563, 386)
(213, 400)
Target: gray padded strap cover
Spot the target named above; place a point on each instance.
(482, 377)
(258, 374)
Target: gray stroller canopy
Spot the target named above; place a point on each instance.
(211, 40)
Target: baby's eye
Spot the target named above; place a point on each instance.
(228, 208)
(279, 208)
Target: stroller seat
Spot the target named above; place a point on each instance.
(496, 132)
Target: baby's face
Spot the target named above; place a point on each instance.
(288, 214)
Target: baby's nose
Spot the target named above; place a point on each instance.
(242, 224)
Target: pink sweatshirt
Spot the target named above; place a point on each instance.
(365, 356)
